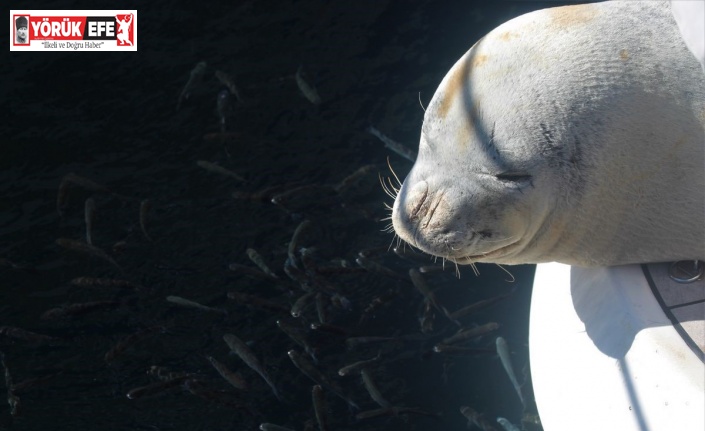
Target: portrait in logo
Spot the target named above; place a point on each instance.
(125, 33)
(21, 33)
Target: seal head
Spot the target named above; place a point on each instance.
(571, 134)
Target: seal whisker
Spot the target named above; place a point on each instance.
(393, 173)
(509, 273)
(422, 107)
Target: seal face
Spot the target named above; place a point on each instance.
(572, 134)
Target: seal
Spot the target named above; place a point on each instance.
(573, 134)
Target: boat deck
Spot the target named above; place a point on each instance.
(683, 303)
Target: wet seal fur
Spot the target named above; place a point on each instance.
(573, 134)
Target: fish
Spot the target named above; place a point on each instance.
(271, 427)
(312, 372)
(193, 304)
(295, 239)
(201, 390)
(104, 282)
(301, 303)
(25, 335)
(78, 309)
(128, 341)
(508, 426)
(257, 259)
(373, 266)
(503, 352)
(82, 247)
(256, 301)
(373, 390)
(320, 408)
(357, 366)
(477, 419)
(395, 146)
(465, 334)
(451, 349)
(427, 317)
(156, 387)
(248, 357)
(212, 167)
(195, 76)
(309, 91)
(479, 305)
(394, 411)
(228, 82)
(234, 378)
(423, 287)
(145, 206)
(298, 338)
(85, 183)
(89, 214)
(223, 106)
(12, 399)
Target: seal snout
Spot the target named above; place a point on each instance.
(422, 216)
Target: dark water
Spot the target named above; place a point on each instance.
(112, 118)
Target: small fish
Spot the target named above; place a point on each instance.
(503, 352)
(427, 317)
(227, 81)
(62, 196)
(256, 301)
(301, 303)
(104, 282)
(188, 303)
(231, 377)
(373, 266)
(454, 350)
(257, 259)
(248, 357)
(508, 426)
(271, 427)
(331, 329)
(356, 180)
(306, 89)
(354, 342)
(357, 366)
(85, 183)
(373, 390)
(156, 388)
(312, 372)
(29, 384)
(298, 338)
(393, 411)
(320, 408)
(25, 335)
(12, 399)
(145, 206)
(223, 106)
(393, 145)
(89, 214)
(423, 287)
(82, 247)
(130, 340)
(248, 270)
(78, 309)
(479, 305)
(193, 79)
(295, 239)
(202, 391)
(465, 334)
(212, 167)
(477, 419)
